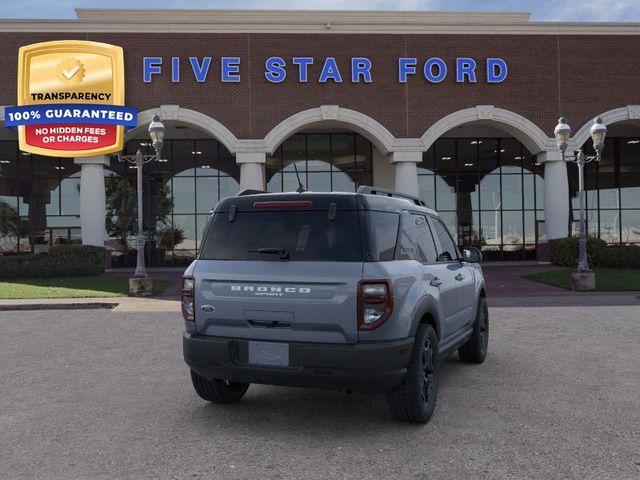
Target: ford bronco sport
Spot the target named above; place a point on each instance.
(363, 292)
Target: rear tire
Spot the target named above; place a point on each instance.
(415, 400)
(475, 350)
(218, 391)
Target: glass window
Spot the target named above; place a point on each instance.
(511, 155)
(187, 223)
(306, 236)
(319, 152)
(183, 195)
(512, 192)
(426, 166)
(610, 226)
(206, 157)
(382, 232)
(426, 247)
(487, 156)
(448, 247)
(325, 162)
(490, 194)
(208, 194)
(512, 228)
(426, 186)
(469, 227)
(630, 190)
(445, 156)
(445, 193)
(406, 250)
(467, 155)
(70, 196)
(182, 163)
(631, 226)
(467, 192)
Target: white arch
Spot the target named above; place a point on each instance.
(382, 138)
(197, 119)
(622, 114)
(531, 136)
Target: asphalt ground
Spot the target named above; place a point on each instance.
(103, 394)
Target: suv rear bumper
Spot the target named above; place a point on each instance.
(363, 367)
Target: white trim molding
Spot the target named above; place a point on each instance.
(622, 114)
(531, 136)
(200, 120)
(195, 21)
(374, 131)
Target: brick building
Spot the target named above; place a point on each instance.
(458, 108)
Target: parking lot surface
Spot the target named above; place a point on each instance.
(101, 394)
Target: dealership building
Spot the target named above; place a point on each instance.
(457, 108)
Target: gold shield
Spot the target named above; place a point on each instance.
(73, 66)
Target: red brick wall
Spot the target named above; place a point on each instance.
(578, 76)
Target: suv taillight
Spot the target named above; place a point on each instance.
(187, 299)
(375, 303)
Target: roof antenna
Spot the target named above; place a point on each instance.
(300, 188)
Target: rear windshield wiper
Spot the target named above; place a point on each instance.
(283, 252)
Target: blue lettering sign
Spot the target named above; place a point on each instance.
(151, 66)
(428, 70)
(465, 67)
(200, 71)
(275, 69)
(230, 69)
(406, 66)
(303, 64)
(496, 70)
(175, 69)
(330, 71)
(360, 67)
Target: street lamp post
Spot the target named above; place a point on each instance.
(156, 133)
(562, 133)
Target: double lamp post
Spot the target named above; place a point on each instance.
(141, 284)
(583, 278)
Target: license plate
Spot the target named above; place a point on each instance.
(269, 353)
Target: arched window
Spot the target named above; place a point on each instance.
(325, 162)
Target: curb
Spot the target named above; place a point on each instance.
(57, 306)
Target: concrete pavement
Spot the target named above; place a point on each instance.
(104, 394)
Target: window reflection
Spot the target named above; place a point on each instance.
(325, 162)
(490, 191)
(612, 191)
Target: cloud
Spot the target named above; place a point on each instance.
(543, 10)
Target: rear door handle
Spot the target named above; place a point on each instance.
(459, 277)
(436, 282)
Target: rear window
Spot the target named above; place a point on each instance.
(304, 235)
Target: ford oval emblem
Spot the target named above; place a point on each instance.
(207, 308)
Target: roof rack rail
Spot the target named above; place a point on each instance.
(390, 193)
(249, 191)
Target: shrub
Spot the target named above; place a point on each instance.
(169, 237)
(61, 261)
(618, 256)
(564, 252)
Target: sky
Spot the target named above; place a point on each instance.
(542, 10)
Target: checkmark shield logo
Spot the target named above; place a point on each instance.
(70, 71)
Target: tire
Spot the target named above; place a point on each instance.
(415, 400)
(218, 391)
(475, 350)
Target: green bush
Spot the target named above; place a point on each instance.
(61, 261)
(618, 256)
(564, 252)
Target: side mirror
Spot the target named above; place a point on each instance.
(471, 254)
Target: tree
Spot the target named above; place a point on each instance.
(122, 208)
(9, 221)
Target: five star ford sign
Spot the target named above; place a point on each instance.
(70, 99)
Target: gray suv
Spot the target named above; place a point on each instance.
(363, 292)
